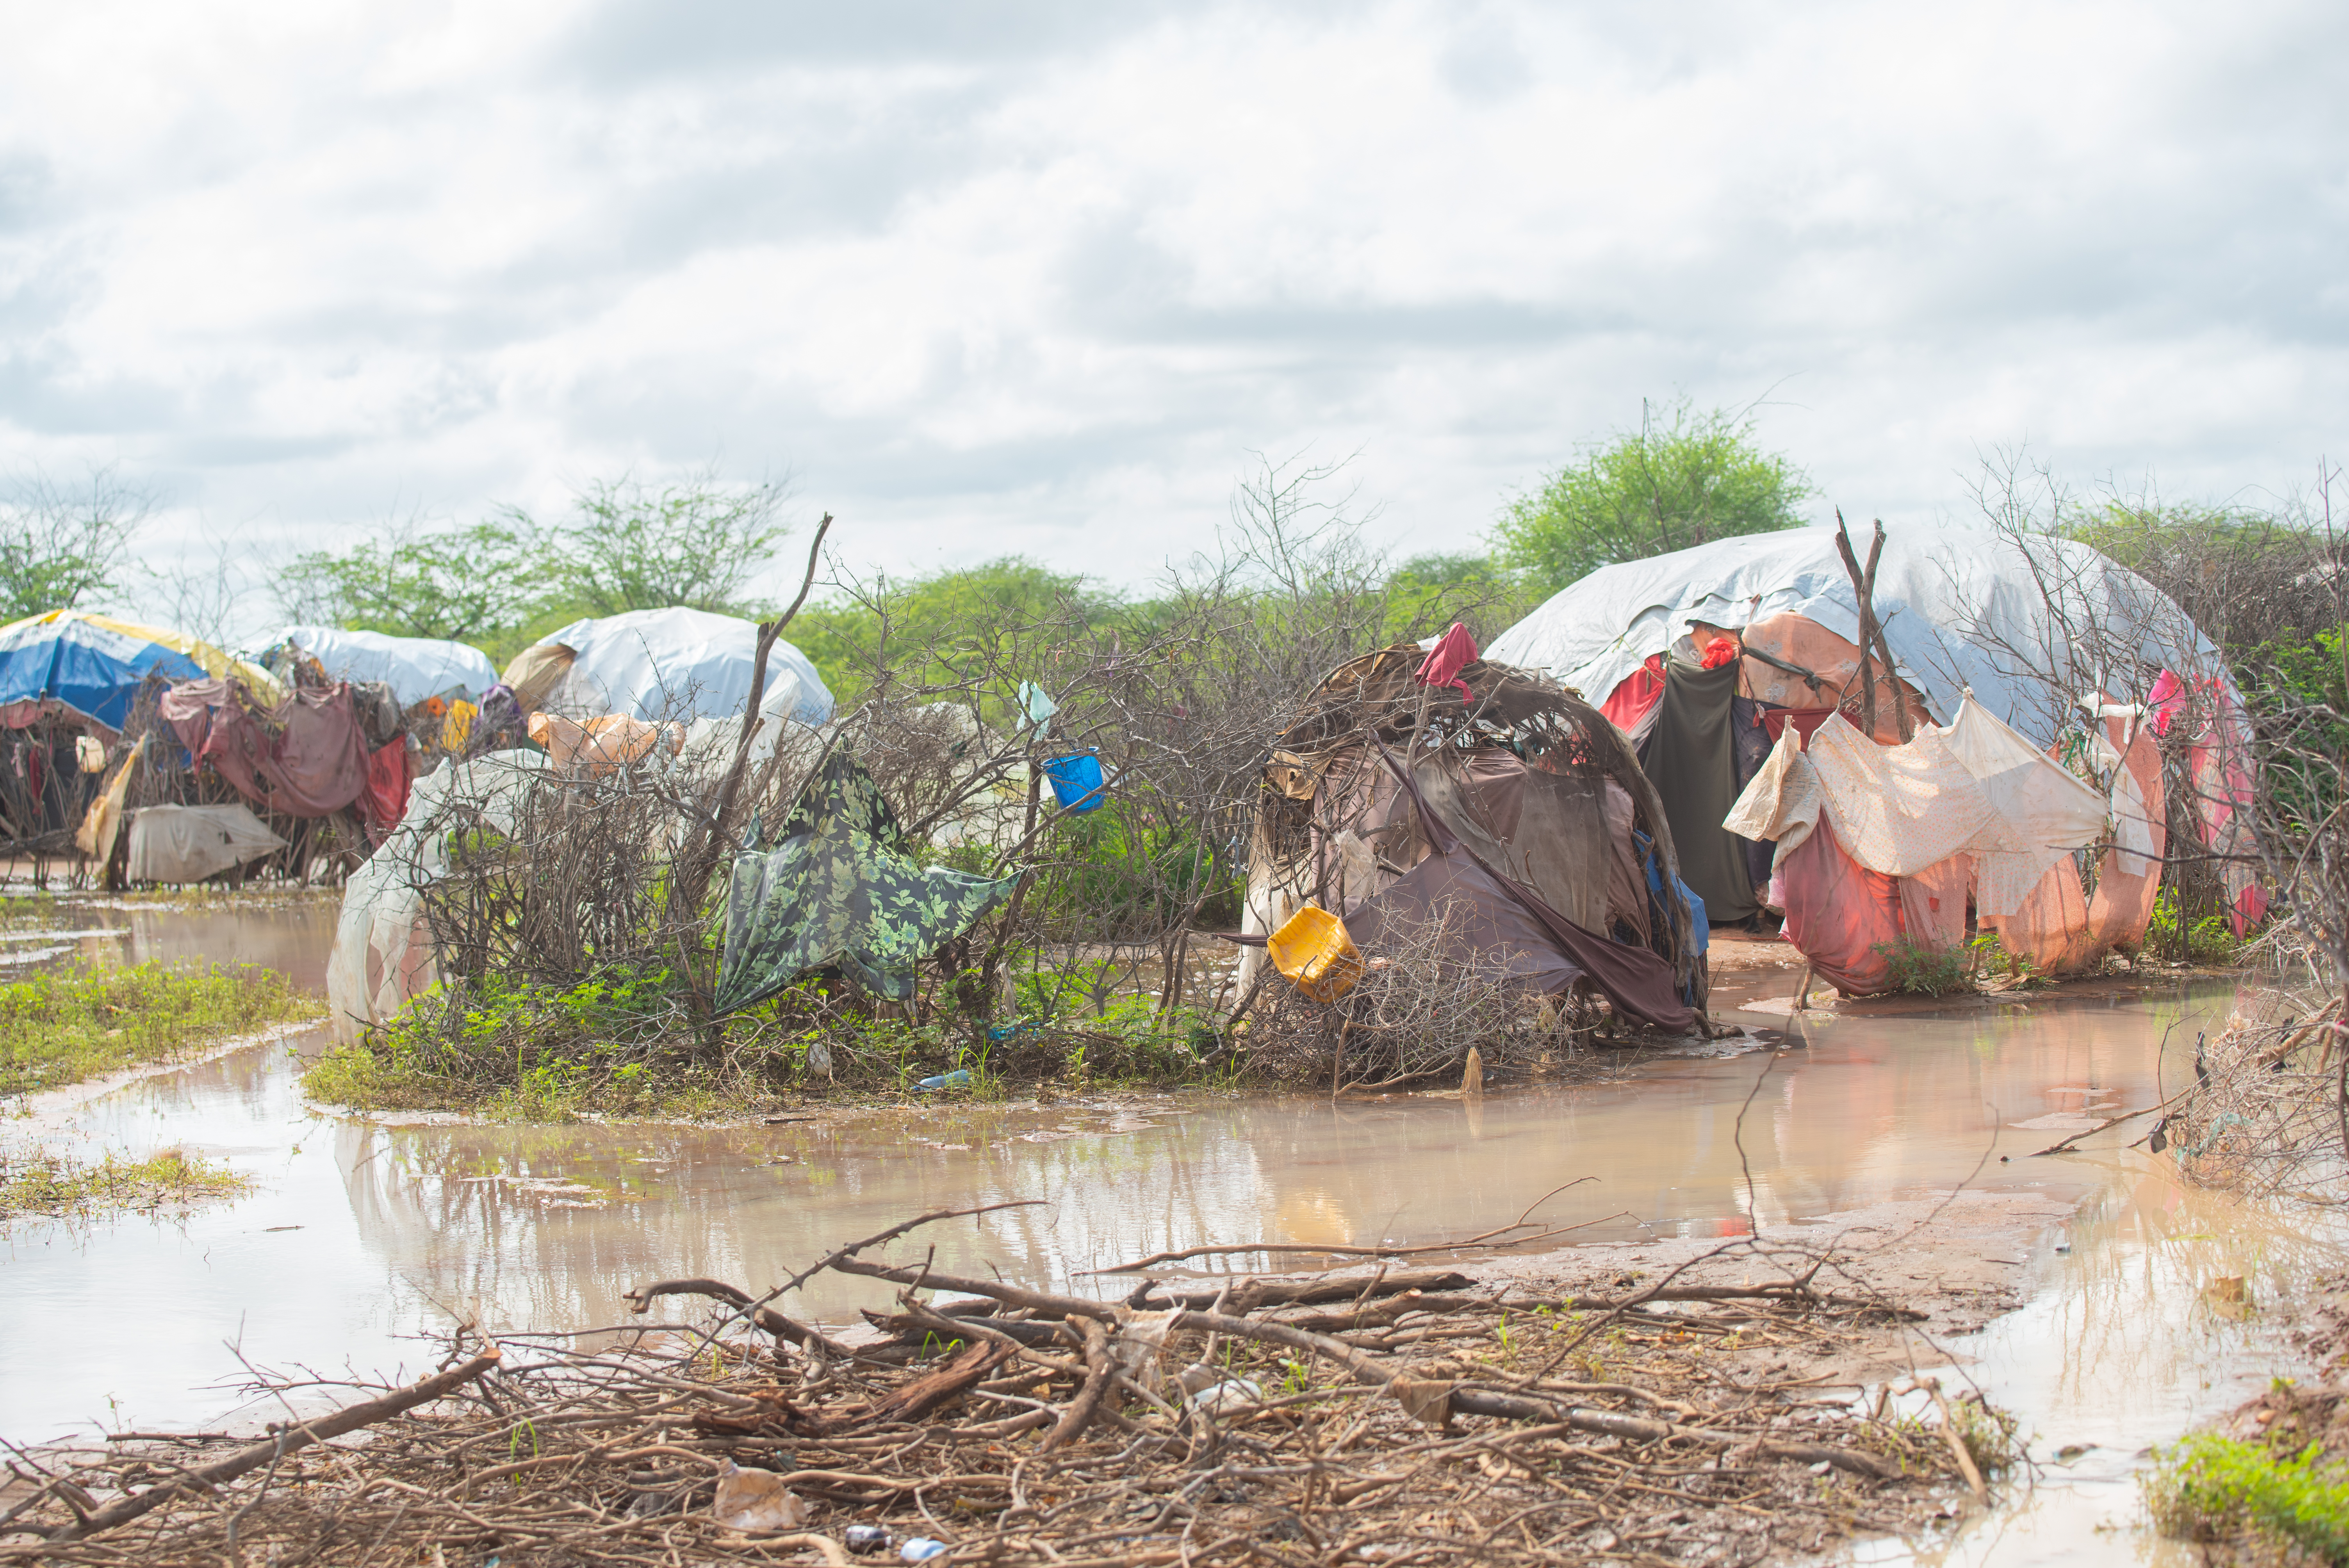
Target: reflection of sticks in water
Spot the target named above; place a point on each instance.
(1523, 1222)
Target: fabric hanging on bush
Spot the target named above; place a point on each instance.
(840, 888)
(1454, 652)
(189, 844)
(307, 757)
(385, 799)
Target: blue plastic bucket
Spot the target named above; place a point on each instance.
(1077, 781)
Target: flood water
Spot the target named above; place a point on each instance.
(362, 1236)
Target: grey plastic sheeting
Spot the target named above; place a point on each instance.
(1962, 607)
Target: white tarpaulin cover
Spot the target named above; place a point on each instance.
(414, 667)
(189, 843)
(383, 947)
(1976, 787)
(1960, 607)
(680, 665)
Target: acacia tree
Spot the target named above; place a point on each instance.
(465, 584)
(500, 581)
(697, 543)
(63, 544)
(1686, 477)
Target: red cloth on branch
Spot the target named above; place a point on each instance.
(1454, 652)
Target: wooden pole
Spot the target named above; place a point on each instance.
(1872, 633)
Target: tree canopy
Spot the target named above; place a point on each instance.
(1690, 478)
(466, 584)
(503, 582)
(62, 544)
(700, 544)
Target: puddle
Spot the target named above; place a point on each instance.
(291, 932)
(2132, 1334)
(402, 1224)
(362, 1235)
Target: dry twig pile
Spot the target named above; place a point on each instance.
(1393, 1417)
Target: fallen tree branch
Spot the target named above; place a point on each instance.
(350, 1419)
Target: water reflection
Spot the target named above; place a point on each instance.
(361, 1234)
(2122, 1346)
(291, 932)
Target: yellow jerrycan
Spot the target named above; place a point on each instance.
(1313, 950)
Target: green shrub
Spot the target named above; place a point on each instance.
(623, 1045)
(1923, 972)
(2209, 940)
(2210, 1488)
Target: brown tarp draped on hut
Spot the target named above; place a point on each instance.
(1505, 823)
(1692, 755)
(306, 758)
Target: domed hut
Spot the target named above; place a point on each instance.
(657, 666)
(1485, 811)
(2014, 783)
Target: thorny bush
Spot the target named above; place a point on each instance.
(575, 968)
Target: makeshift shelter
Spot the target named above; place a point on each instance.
(836, 886)
(68, 680)
(665, 665)
(1510, 826)
(1711, 657)
(414, 668)
(90, 667)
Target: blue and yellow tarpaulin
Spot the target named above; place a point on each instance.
(92, 664)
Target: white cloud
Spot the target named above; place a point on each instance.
(1038, 277)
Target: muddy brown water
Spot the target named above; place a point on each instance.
(361, 1237)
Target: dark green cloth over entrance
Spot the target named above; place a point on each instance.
(840, 886)
(1691, 757)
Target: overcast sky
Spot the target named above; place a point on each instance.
(1039, 277)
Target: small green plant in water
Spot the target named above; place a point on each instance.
(52, 1186)
(2207, 941)
(1930, 972)
(2212, 1489)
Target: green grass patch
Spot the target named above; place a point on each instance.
(513, 1051)
(49, 1186)
(2214, 1489)
(60, 1026)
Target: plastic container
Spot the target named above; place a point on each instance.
(1231, 1394)
(1313, 950)
(1078, 783)
(921, 1549)
(863, 1538)
(958, 1078)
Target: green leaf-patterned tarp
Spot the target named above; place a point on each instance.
(838, 888)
